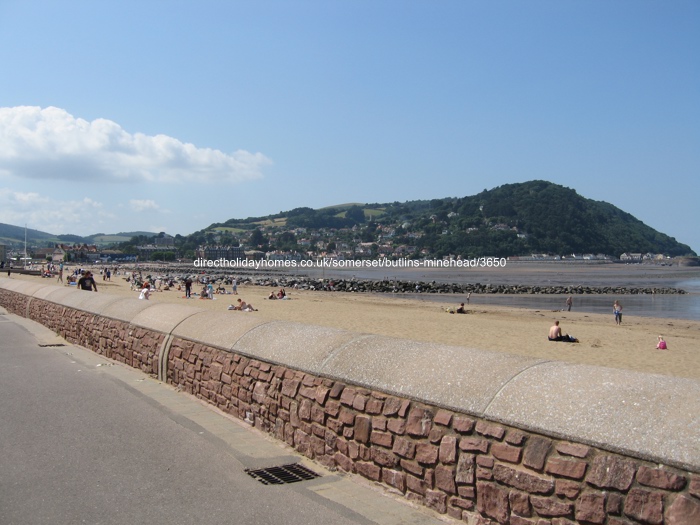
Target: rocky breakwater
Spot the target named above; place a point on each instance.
(403, 287)
(280, 280)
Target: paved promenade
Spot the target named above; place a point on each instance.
(85, 440)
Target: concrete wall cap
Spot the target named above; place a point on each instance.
(219, 329)
(88, 301)
(650, 415)
(82, 299)
(125, 309)
(463, 379)
(301, 346)
(162, 317)
(23, 287)
(54, 294)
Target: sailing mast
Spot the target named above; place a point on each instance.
(24, 262)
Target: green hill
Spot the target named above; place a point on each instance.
(14, 236)
(513, 219)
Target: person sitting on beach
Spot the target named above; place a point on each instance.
(145, 292)
(281, 294)
(204, 294)
(556, 335)
(272, 295)
(243, 306)
(661, 345)
(461, 309)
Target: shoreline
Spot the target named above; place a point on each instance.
(503, 329)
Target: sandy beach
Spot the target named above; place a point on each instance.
(631, 345)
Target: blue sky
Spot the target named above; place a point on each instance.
(169, 116)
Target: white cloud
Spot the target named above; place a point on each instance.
(51, 215)
(49, 143)
(144, 205)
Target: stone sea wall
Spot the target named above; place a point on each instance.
(482, 437)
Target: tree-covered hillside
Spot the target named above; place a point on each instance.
(531, 217)
(514, 219)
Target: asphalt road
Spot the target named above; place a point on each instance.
(85, 441)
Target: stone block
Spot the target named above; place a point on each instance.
(660, 478)
(397, 426)
(394, 478)
(566, 468)
(573, 449)
(492, 501)
(684, 510)
(426, 453)
(550, 508)
(474, 444)
(567, 488)
(405, 448)
(448, 450)
(368, 470)
(383, 439)
(463, 424)
(522, 480)
(590, 507)
(384, 457)
(519, 503)
(506, 452)
(420, 422)
(436, 500)
(416, 484)
(645, 506)
(536, 452)
(486, 428)
(445, 479)
(363, 428)
(611, 472)
(443, 418)
(466, 469)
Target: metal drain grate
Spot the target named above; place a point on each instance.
(281, 475)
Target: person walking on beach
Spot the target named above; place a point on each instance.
(87, 282)
(617, 310)
(188, 287)
(235, 286)
(569, 302)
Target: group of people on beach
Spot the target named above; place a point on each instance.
(555, 333)
(282, 294)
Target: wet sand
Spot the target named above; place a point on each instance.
(631, 345)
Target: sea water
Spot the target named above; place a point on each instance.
(674, 306)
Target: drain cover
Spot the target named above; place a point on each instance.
(281, 475)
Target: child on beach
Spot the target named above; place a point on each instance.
(617, 310)
(661, 345)
(145, 292)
